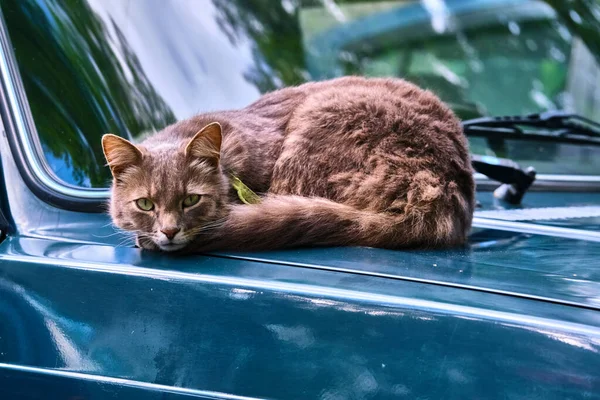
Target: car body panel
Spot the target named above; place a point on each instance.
(268, 330)
(555, 269)
(505, 318)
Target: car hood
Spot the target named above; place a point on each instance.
(546, 249)
(485, 321)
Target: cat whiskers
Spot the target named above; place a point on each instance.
(203, 228)
(117, 231)
(130, 237)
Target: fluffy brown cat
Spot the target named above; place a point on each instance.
(345, 162)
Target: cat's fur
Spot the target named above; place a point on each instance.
(349, 161)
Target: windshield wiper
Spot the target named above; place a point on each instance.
(515, 181)
(550, 126)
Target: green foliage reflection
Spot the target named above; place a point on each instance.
(81, 82)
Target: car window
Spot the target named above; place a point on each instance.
(133, 67)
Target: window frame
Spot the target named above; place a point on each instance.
(24, 141)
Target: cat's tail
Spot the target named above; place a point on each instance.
(283, 221)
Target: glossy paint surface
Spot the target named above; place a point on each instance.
(267, 330)
(83, 316)
(555, 269)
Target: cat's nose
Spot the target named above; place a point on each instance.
(170, 232)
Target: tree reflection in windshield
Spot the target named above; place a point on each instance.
(97, 66)
(273, 27)
(582, 17)
(78, 88)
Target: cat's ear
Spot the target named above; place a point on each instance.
(120, 153)
(206, 143)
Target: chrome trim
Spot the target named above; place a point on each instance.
(549, 182)
(569, 178)
(540, 213)
(155, 387)
(556, 177)
(535, 229)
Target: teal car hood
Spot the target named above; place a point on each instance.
(543, 267)
(557, 263)
(360, 323)
(513, 315)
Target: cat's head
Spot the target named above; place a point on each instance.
(167, 192)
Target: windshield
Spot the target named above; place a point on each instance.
(131, 67)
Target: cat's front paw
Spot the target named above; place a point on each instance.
(145, 243)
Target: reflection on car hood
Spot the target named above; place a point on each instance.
(549, 266)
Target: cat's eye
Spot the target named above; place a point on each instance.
(144, 204)
(191, 200)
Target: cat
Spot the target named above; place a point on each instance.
(352, 161)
